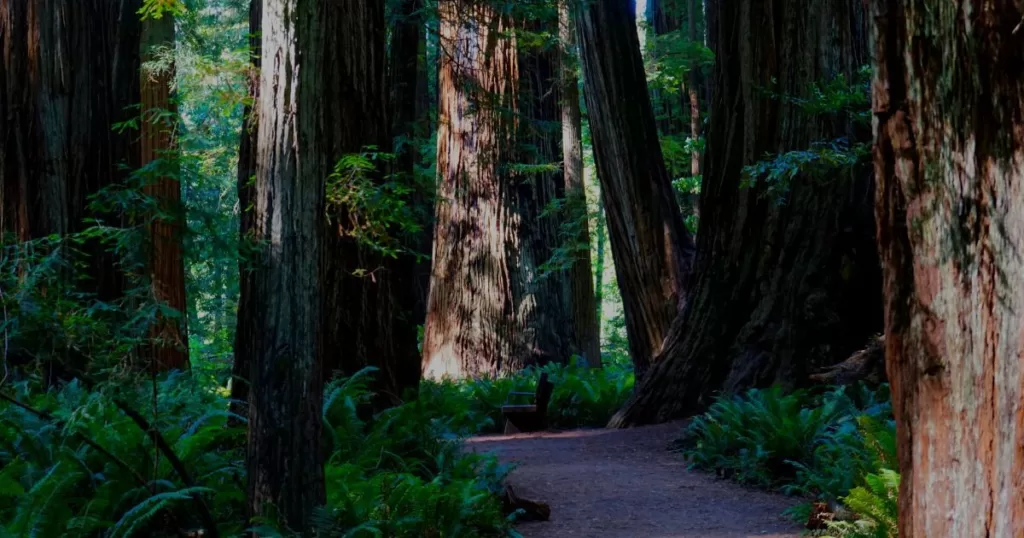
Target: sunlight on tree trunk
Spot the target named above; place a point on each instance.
(949, 157)
(489, 312)
(283, 459)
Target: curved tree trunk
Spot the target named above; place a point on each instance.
(369, 297)
(581, 277)
(285, 466)
(488, 311)
(782, 288)
(651, 247)
(949, 157)
(166, 261)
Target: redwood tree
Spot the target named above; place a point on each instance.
(782, 286)
(488, 311)
(948, 101)
(240, 367)
(68, 74)
(650, 245)
(285, 465)
(581, 276)
(369, 295)
(166, 260)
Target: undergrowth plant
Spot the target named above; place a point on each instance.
(82, 461)
(836, 446)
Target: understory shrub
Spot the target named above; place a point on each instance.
(582, 396)
(73, 463)
(835, 446)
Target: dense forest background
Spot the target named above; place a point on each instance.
(266, 263)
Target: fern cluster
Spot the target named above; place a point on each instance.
(836, 446)
(74, 463)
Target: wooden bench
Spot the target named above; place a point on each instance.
(530, 417)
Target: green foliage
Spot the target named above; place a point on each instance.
(876, 505)
(823, 161)
(376, 211)
(798, 442)
(582, 396)
(833, 100)
(77, 466)
(835, 446)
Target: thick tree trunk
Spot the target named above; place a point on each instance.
(781, 288)
(241, 372)
(949, 157)
(368, 317)
(285, 466)
(68, 73)
(166, 261)
(650, 245)
(581, 276)
(488, 311)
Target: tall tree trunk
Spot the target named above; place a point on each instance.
(409, 128)
(166, 261)
(488, 312)
(694, 77)
(781, 288)
(584, 306)
(283, 458)
(68, 73)
(599, 265)
(650, 245)
(949, 157)
(369, 317)
(241, 373)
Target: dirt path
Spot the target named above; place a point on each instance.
(624, 483)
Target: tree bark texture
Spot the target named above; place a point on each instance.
(166, 260)
(245, 328)
(781, 288)
(369, 319)
(68, 73)
(650, 245)
(948, 103)
(581, 276)
(285, 466)
(489, 312)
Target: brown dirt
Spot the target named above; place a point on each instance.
(626, 484)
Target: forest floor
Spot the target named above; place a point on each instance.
(626, 484)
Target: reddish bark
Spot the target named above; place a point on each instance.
(949, 158)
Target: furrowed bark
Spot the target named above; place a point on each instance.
(285, 466)
(650, 245)
(948, 103)
(488, 311)
(781, 288)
